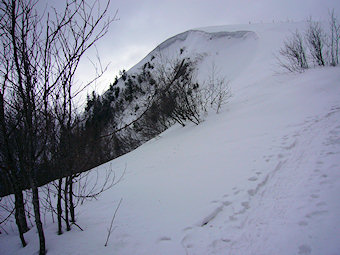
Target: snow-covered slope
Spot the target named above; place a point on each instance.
(261, 177)
(211, 47)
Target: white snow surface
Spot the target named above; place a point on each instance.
(261, 177)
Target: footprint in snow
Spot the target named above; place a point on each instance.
(303, 223)
(251, 192)
(252, 179)
(245, 205)
(232, 218)
(316, 213)
(164, 238)
(236, 192)
(324, 182)
(321, 204)
(291, 146)
(304, 250)
(227, 203)
(219, 244)
(187, 229)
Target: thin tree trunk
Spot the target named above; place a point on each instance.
(36, 206)
(19, 221)
(20, 217)
(59, 209)
(67, 221)
(20, 210)
(73, 219)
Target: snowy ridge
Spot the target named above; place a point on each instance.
(210, 47)
(261, 177)
(208, 36)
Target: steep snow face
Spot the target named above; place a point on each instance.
(261, 177)
(210, 48)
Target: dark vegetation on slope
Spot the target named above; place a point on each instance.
(39, 132)
(152, 100)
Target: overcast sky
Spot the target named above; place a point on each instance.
(143, 24)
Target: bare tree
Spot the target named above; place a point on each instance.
(315, 38)
(38, 61)
(217, 90)
(67, 52)
(292, 54)
(19, 71)
(334, 39)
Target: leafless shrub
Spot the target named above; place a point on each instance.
(293, 55)
(315, 38)
(177, 92)
(217, 91)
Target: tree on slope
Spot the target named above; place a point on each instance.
(293, 54)
(334, 39)
(315, 38)
(39, 57)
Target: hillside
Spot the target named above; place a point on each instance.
(260, 177)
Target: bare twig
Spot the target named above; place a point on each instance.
(109, 230)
